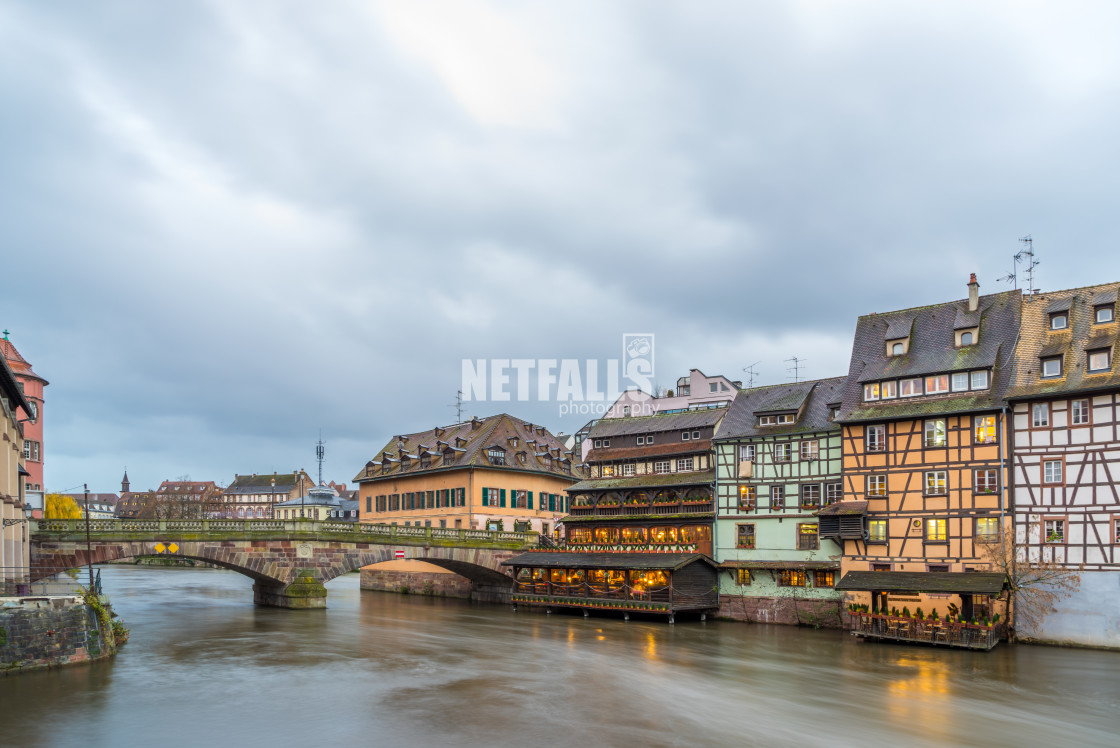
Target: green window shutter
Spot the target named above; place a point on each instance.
(552, 502)
(530, 494)
(486, 497)
(502, 497)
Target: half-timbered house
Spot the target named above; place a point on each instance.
(778, 464)
(650, 495)
(1066, 445)
(924, 438)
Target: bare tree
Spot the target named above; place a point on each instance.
(1037, 584)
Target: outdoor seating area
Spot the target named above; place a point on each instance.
(925, 631)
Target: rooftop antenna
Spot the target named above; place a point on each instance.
(319, 453)
(796, 368)
(751, 373)
(1027, 255)
(458, 406)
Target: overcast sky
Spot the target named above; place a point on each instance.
(228, 225)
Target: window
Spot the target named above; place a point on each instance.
(876, 485)
(877, 531)
(880, 567)
(628, 469)
(684, 465)
(833, 492)
(746, 497)
(937, 530)
(1100, 360)
(889, 390)
(934, 433)
(662, 466)
(783, 452)
(936, 483)
(695, 435)
(984, 429)
(1079, 413)
(985, 480)
(936, 384)
(1051, 471)
(746, 452)
(897, 349)
(791, 578)
(876, 438)
(744, 536)
(910, 387)
(497, 456)
(777, 497)
(520, 500)
(598, 443)
(649, 440)
(713, 387)
(684, 436)
(810, 496)
(641, 440)
(1052, 367)
(966, 338)
(980, 379)
(871, 391)
(807, 537)
(1054, 531)
(1103, 314)
(606, 442)
(785, 420)
(960, 381)
(824, 578)
(987, 529)
(766, 420)
(810, 449)
(607, 471)
(744, 577)
(1040, 415)
(1059, 321)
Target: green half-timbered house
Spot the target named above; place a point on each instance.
(778, 463)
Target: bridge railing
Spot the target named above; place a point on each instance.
(98, 527)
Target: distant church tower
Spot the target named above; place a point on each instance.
(124, 482)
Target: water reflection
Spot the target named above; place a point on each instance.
(206, 666)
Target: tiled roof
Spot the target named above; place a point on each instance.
(468, 443)
(742, 418)
(698, 478)
(932, 350)
(10, 387)
(634, 425)
(254, 484)
(1036, 340)
(844, 507)
(672, 448)
(18, 363)
(960, 582)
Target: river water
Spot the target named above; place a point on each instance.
(205, 667)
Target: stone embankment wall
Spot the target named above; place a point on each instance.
(416, 582)
(1088, 618)
(43, 632)
(785, 610)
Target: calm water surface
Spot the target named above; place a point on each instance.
(206, 667)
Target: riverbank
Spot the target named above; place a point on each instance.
(38, 633)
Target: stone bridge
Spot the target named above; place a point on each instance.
(289, 560)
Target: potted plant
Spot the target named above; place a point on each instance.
(919, 614)
(905, 611)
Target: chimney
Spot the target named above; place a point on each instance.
(973, 293)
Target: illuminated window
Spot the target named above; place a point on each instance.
(807, 537)
(744, 577)
(936, 384)
(871, 391)
(877, 531)
(987, 529)
(744, 536)
(935, 433)
(746, 497)
(910, 387)
(937, 530)
(824, 578)
(936, 483)
(984, 429)
(791, 578)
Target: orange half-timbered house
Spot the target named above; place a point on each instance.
(924, 438)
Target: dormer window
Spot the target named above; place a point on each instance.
(713, 387)
(496, 455)
(1059, 320)
(684, 436)
(1100, 360)
(897, 349)
(871, 392)
(513, 441)
(1103, 314)
(1051, 367)
(966, 338)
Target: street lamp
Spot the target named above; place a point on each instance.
(89, 546)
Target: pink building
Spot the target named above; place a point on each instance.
(32, 385)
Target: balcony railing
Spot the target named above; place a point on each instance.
(704, 506)
(588, 591)
(925, 631)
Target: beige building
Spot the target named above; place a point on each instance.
(14, 548)
(497, 473)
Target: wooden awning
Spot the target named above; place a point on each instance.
(953, 582)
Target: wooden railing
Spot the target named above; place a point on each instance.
(925, 631)
(622, 510)
(593, 591)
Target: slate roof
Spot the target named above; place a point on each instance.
(565, 560)
(844, 507)
(10, 387)
(1037, 340)
(932, 350)
(633, 425)
(465, 445)
(816, 394)
(258, 484)
(954, 582)
(672, 448)
(698, 478)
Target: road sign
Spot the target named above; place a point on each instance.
(400, 554)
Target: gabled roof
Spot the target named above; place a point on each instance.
(474, 438)
(1037, 340)
(18, 363)
(10, 387)
(608, 427)
(932, 350)
(815, 395)
(255, 484)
